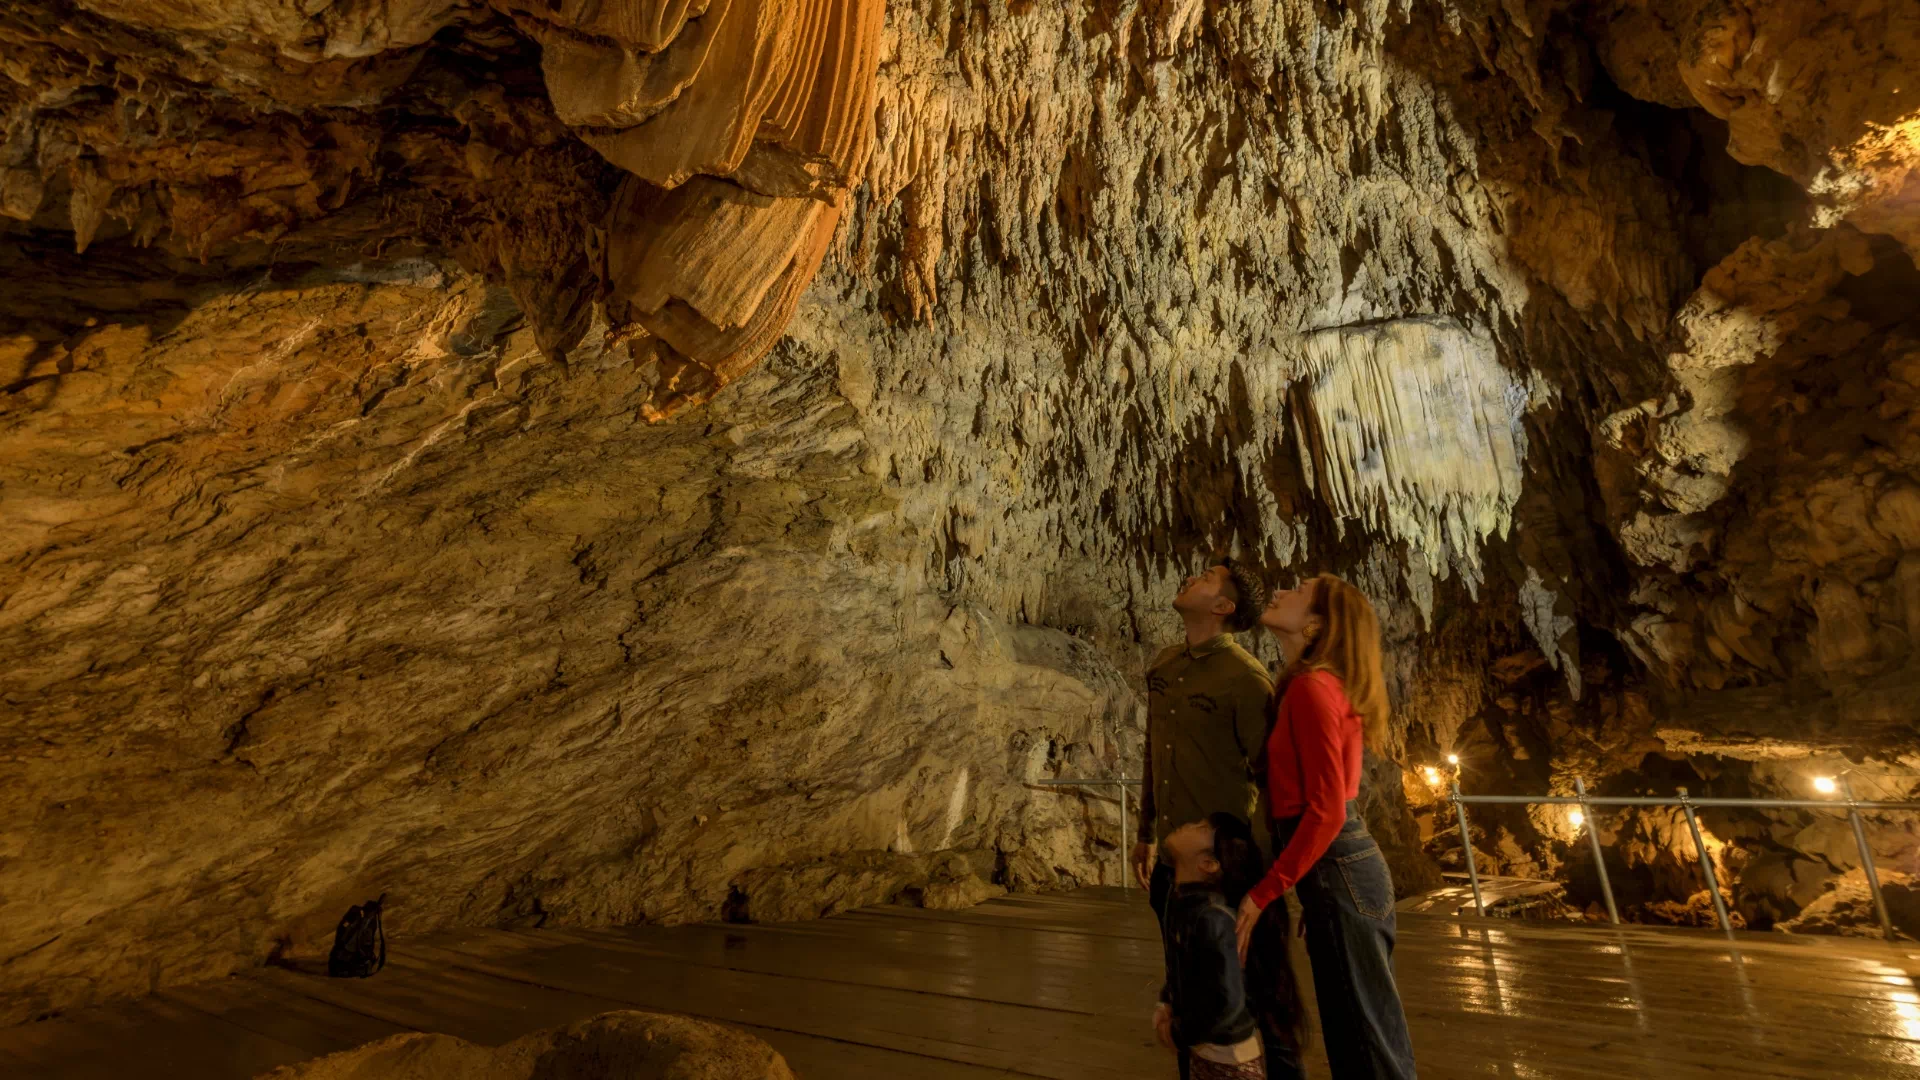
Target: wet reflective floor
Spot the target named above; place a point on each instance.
(1057, 986)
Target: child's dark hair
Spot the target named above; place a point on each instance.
(1241, 864)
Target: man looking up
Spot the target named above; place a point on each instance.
(1207, 706)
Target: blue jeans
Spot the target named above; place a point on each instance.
(1282, 1060)
(1346, 901)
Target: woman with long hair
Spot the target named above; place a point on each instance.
(1332, 700)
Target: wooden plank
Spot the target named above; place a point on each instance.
(1765, 954)
(465, 1004)
(1049, 980)
(1665, 1049)
(1123, 1033)
(1050, 986)
(1577, 956)
(1838, 980)
(1570, 1027)
(1763, 949)
(150, 1037)
(1066, 1046)
(1469, 971)
(1066, 924)
(567, 969)
(1579, 1007)
(298, 1020)
(826, 1059)
(1561, 935)
(1768, 960)
(470, 1017)
(857, 930)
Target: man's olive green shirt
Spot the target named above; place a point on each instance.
(1207, 712)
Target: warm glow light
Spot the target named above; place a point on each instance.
(1824, 785)
(1432, 774)
(1453, 759)
(1577, 818)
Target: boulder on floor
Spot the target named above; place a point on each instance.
(1847, 908)
(623, 1045)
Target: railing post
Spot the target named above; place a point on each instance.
(1599, 861)
(1126, 842)
(1706, 864)
(1466, 843)
(1866, 858)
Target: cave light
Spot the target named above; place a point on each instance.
(1432, 774)
(1453, 760)
(1577, 818)
(1824, 785)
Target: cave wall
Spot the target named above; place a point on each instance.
(360, 537)
(362, 610)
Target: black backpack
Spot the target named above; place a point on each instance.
(359, 944)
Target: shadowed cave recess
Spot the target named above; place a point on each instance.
(577, 462)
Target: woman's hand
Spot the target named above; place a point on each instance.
(1143, 864)
(1163, 1024)
(1243, 926)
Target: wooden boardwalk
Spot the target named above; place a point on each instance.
(1057, 986)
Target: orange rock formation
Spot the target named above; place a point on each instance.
(743, 124)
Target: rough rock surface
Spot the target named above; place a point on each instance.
(628, 1045)
(357, 536)
(1846, 908)
(626, 684)
(1810, 90)
(942, 882)
(740, 126)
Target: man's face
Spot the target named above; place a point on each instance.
(1210, 590)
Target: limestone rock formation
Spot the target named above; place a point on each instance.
(676, 612)
(359, 534)
(1414, 430)
(1847, 908)
(943, 881)
(742, 124)
(629, 1045)
(1813, 91)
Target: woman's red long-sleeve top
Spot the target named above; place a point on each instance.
(1313, 768)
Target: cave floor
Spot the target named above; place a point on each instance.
(1054, 986)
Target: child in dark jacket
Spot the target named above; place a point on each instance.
(1205, 1012)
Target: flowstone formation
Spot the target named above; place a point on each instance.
(736, 126)
(408, 487)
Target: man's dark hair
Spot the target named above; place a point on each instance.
(1247, 592)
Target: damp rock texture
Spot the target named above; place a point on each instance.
(662, 460)
(1847, 909)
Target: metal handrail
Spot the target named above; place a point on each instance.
(1120, 784)
(1687, 804)
(1675, 800)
